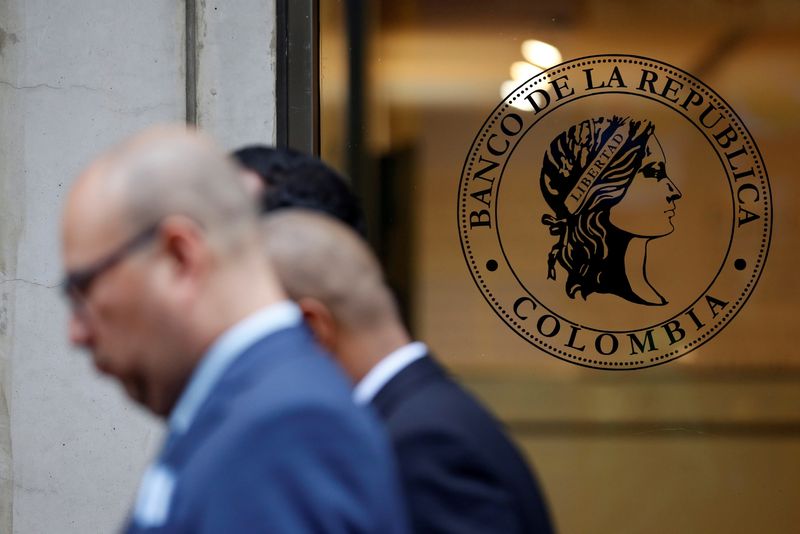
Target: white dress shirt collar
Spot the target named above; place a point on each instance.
(386, 369)
(223, 352)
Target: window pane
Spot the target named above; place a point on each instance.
(709, 442)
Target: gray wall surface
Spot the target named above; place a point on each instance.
(76, 78)
(236, 71)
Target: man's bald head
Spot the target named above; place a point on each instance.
(172, 170)
(316, 256)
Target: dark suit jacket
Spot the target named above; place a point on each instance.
(279, 447)
(460, 472)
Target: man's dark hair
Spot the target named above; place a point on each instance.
(296, 180)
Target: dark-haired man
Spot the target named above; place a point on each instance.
(287, 178)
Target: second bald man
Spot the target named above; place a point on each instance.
(460, 472)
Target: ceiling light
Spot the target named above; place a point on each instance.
(541, 54)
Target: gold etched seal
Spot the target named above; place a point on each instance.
(615, 212)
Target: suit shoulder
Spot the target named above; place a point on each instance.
(284, 375)
(269, 432)
(441, 404)
(451, 451)
(441, 422)
(275, 395)
(303, 463)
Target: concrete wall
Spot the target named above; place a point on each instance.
(236, 71)
(75, 78)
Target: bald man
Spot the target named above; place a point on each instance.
(171, 293)
(460, 472)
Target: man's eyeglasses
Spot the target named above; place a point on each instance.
(76, 284)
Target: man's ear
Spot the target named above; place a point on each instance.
(321, 321)
(184, 245)
(253, 183)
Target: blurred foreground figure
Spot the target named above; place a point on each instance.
(461, 474)
(285, 178)
(171, 293)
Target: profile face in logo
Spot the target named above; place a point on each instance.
(607, 184)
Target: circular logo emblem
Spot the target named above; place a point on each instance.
(615, 212)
